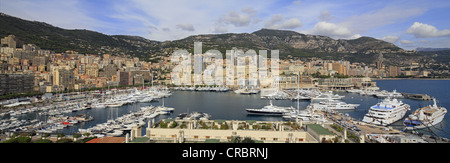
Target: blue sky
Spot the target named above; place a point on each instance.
(406, 23)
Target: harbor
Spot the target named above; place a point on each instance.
(120, 121)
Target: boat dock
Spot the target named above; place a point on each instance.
(417, 96)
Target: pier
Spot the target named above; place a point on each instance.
(417, 96)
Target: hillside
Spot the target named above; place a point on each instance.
(290, 43)
(57, 39)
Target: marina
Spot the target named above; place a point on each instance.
(117, 121)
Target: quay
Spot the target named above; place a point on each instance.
(417, 96)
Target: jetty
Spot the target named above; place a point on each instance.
(417, 96)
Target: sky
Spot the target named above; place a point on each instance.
(406, 23)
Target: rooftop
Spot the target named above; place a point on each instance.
(107, 140)
(319, 129)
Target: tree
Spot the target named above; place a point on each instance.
(60, 135)
(247, 140)
(238, 139)
(235, 139)
(43, 141)
(64, 140)
(76, 136)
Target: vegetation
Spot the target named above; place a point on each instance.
(18, 140)
(46, 36)
(43, 141)
(20, 95)
(238, 139)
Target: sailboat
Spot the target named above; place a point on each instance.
(164, 109)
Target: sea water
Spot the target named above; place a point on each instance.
(231, 106)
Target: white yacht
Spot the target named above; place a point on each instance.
(112, 104)
(164, 109)
(331, 105)
(98, 106)
(328, 95)
(270, 110)
(425, 117)
(385, 94)
(386, 112)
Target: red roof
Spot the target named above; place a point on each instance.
(107, 140)
(95, 140)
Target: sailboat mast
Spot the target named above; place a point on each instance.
(298, 95)
(312, 103)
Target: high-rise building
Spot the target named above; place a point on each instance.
(339, 68)
(92, 70)
(379, 65)
(11, 41)
(124, 78)
(393, 71)
(64, 78)
(16, 83)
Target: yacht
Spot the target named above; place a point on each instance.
(164, 109)
(385, 94)
(112, 104)
(331, 104)
(386, 112)
(146, 99)
(328, 95)
(270, 110)
(425, 117)
(194, 116)
(98, 106)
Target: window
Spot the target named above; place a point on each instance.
(301, 139)
(207, 137)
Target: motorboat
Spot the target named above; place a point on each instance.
(331, 104)
(270, 110)
(386, 112)
(425, 117)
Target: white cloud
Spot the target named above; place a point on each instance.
(391, 39)
(420, 30)
(220, 29)
(186, 27)
(325, 16)
(236, 19)
(298, 2)
(291, 24)
(333, 30)
(62, 14)
(407, 42)
(276, 22)
(385, 16)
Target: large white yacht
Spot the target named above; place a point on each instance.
(332, 105)
(425, 117)
(270, 110)
(385, 94)
(386, 112)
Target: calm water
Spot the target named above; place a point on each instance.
(232, 106)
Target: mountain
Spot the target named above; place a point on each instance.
(57, 39)
(290, 43)
(421, 49)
